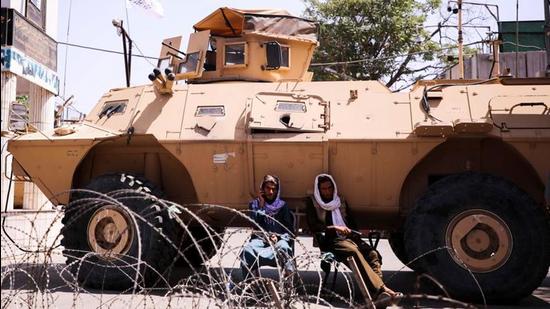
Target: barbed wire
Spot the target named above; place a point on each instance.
(200, 266)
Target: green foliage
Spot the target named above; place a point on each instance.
(376, 30)
(452, 59)
(22, 99)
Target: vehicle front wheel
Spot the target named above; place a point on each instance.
(200, 246)
(483, 224)
(116, 233)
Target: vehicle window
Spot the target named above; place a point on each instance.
(214, 111)
(285, 51)
(190, 63)
(291, 106)
(113, 107)
(235, 54)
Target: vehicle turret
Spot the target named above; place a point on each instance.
(240, 45)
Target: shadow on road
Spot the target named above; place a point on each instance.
(50, 278)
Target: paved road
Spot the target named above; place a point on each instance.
(61, 294)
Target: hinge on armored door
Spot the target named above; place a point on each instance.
(325, 115)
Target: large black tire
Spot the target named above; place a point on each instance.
(506, 241)
(397, 244)
(207, 244)
(146, 218)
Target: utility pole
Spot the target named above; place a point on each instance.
(517, 39)
(458, 10)
(547, 34)
(496, 61)
(460, 42)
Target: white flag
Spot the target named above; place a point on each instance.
(151, 6)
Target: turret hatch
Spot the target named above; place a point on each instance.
(187, 66)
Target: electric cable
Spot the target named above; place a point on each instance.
(103, 50)
(358, 61)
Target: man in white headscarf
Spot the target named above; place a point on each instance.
(334, 231)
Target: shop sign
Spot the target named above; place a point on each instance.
(20, 64)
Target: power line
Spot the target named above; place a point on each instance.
(313, 64)
(524, 46)
(143, 56)
(390, 57)
(104, 50)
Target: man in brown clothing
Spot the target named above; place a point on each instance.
(333, 228)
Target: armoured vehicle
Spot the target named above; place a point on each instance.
(455, 168)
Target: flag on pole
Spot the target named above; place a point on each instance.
(151, 6)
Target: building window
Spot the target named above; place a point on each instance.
(37, 3)
(235, 54)
(36, 12)
(19, 117)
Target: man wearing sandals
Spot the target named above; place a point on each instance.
(330, 221)
(270, 244)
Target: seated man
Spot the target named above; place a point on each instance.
(272, 244)
(328, 214)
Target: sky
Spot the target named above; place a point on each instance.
(88, 74)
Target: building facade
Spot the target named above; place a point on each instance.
(29, 85)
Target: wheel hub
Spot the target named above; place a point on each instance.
(110, 232)
(479, 240)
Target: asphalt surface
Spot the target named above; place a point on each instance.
(61, 295)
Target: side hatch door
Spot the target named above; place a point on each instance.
(281, 112)
(287, 138)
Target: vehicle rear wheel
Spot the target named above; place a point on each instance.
(484, 224)
(114, 241)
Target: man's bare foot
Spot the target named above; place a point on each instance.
(387, 297)
(390, 292)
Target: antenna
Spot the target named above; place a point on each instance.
(126, 40)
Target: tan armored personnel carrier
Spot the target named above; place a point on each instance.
(459, 165)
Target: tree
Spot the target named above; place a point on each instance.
(374, 39)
